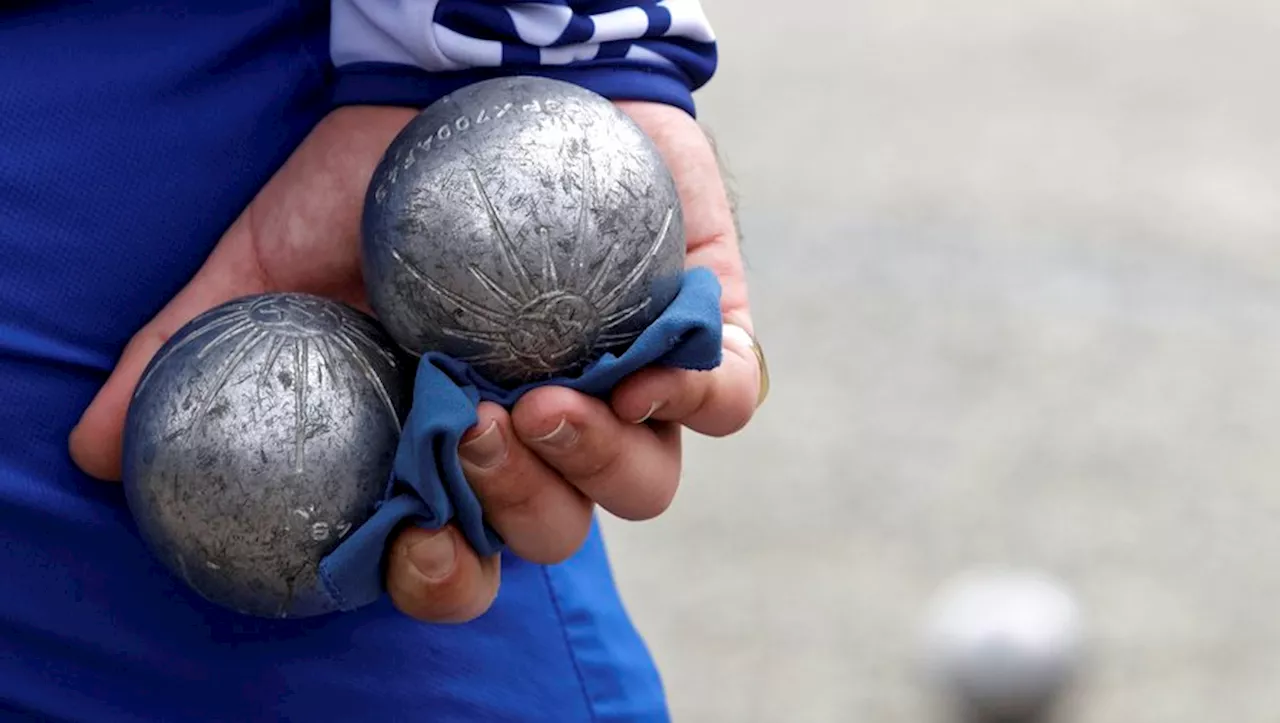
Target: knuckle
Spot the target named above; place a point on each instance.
(507, 492)
(599, 466)
(554, 552)
(575, 541)
(574, 533)
(726, 407)
(550, 534)
(649, 501)
(734, 418)
(700, 394)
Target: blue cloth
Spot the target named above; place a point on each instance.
(132, 135)
(428, 486)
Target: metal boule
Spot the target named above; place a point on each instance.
(1006, 645)
(524, 225)
(260, 436)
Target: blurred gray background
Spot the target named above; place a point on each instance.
(1015, 267)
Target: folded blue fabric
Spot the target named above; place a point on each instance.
(428, 487)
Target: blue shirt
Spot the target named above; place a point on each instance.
(131, 136)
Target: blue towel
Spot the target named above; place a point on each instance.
(428, 487)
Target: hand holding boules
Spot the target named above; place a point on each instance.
(505, 243)
(537, 468)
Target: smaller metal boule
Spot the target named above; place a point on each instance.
(1005, 644)
(259, 437)
(524, 225)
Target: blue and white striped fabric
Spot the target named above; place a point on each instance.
(415, 51)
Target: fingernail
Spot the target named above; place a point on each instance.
(563, 435)
(486, 451)
(652, 408)
(434, 556)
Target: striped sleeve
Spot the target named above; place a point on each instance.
(412, 52)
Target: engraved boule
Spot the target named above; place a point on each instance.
(260, 436)
(523, 225)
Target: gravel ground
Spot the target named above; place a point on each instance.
(1014, 267)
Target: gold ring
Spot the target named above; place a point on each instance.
(745, 337)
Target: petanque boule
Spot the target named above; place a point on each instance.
(258, 438)
(523, 225)
(1006, 644)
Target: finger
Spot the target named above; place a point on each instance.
(716, 403)
(542, 518)
(630, 470)
(433, 576)
(95, 443)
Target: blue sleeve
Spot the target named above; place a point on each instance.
(413, 52)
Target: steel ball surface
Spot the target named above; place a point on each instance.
(258, 438)
(524, 225)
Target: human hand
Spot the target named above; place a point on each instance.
(301, 233)
(539, 470)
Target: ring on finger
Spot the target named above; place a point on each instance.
(741, 335)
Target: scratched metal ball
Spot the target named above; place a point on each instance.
(259, 437)
(524, 225)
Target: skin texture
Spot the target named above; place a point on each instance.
(539, 470)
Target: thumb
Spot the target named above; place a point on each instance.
(231, 271)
